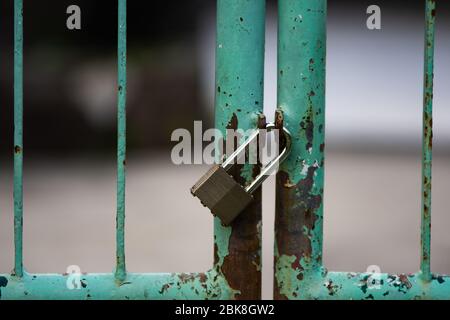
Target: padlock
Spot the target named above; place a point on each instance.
(223, 195)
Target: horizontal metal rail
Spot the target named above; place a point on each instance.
(210, 285)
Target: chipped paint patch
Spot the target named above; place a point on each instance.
(285, 276)
(3, 283)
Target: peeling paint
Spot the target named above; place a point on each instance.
(239, 101)
(427, 140)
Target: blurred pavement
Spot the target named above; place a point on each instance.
(372, 215)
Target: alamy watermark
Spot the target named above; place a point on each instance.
(373, 280)
(74, 19)
(374, 20)
(209, 146)
(73, 281)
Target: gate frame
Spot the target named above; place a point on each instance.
(299, 271)
(236, 273)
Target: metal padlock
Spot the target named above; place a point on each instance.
(223, 195)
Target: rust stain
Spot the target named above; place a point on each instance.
(307, 125)
(164, 288)
(332, 288)
(295, 208)
(240, 266)
(322, 147)
(405, 281)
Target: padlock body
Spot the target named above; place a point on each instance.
(218, 191)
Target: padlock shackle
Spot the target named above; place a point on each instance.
(229, 162)
(267, 170)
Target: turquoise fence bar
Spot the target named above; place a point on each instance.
(18, 137)
(300, 181)
(427, 140)
(121, 139)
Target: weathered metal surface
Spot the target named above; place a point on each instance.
(18, 137)
(299, 273)
(367, 286)
(121, 140)
(301, 105)
(427, 141)
(239, 101)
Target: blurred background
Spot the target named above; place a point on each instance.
(373, 133)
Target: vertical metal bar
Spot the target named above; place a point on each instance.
(18, 137)
(427, 141)
(121, 140)
(238, 105)
(300, 181)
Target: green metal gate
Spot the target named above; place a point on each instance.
(236, 273)
(299, 272)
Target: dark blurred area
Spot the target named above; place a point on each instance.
(70, 75)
